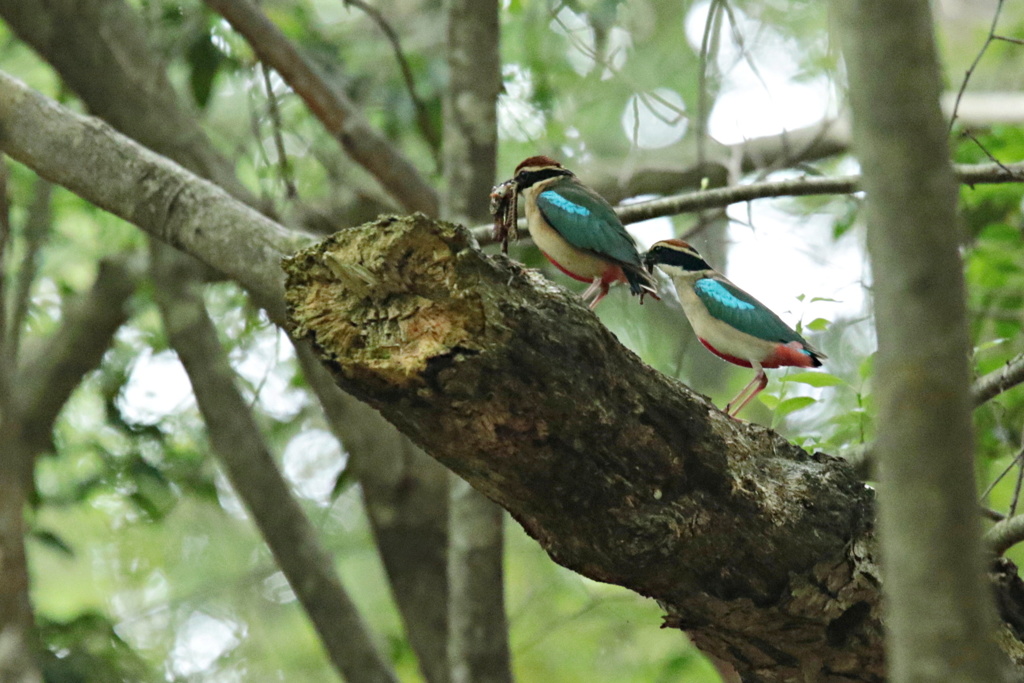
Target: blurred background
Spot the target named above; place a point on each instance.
(144, 562)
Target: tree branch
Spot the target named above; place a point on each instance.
(237, 442)
(967, 174)
(1005, 534)
(36, 230)
(643, 484)
(336, 112)
(761, 552)
(106, 169)
(53, 368)
(996, 382)
(119, 175)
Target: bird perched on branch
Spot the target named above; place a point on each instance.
(732, 324)
(578, 231)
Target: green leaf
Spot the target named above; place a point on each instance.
(825, 298)
(770, 400)
(205, 61)
(814, 379)
(818, 325)
(791, 405)
(53, 541)
(345, 479)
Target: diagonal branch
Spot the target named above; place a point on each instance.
(336, 112)
(246, 459)
(996, 382)
(423, 119)
(143, 188)
(643, 483)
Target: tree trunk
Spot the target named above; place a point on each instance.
(940, 615)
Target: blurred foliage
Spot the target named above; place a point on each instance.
(145, 565)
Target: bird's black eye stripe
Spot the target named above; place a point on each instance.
(674, 257)
(525, 179)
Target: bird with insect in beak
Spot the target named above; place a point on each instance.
(732, 324)
(578, 231)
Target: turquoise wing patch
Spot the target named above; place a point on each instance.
(708, 288)
(564, 204)
(587, 222)
(730, 304)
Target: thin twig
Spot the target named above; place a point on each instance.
(967, 174)
(991, 157)
(275, 120)
(36, 230)
(702, 80)
(974, 64)
(999, 477)
(1016, 490)
(338, 114)
(423, 119)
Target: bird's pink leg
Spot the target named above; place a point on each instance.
(760, 380)
(595, 292)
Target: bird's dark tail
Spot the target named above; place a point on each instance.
(641, 282)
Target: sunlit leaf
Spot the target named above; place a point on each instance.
(814, 379)
(791, 405)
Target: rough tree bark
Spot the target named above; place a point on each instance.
(761, 552)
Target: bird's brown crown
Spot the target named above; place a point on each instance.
(539, 161)
(679, 244)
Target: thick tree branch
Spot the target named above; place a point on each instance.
(336, 112)
(619, 472)
(761, 552)
(401, 494)
(117, 174)
(101, 52)
(237, 442)
(399, 483)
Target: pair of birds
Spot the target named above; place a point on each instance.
(578, 231)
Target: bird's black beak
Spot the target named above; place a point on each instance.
(650, 258)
